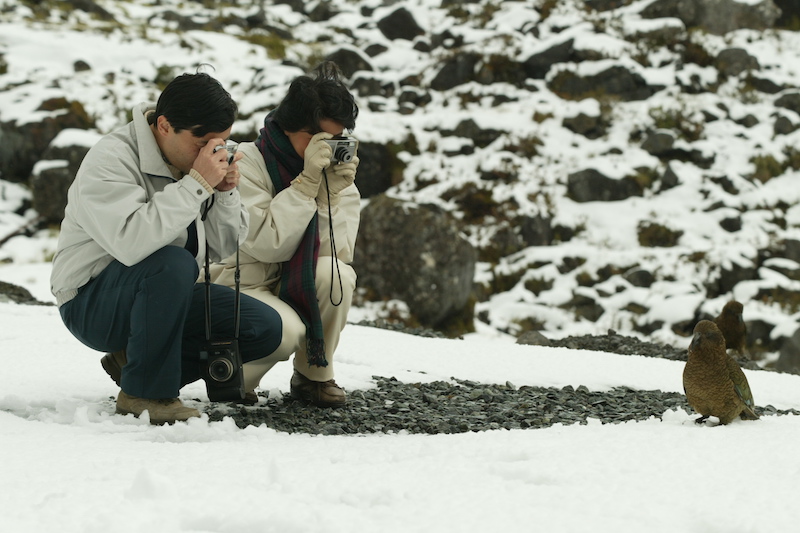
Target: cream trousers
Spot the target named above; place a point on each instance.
(334, 318)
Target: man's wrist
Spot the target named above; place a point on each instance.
(201, 180)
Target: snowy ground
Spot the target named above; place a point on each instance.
(71, 465)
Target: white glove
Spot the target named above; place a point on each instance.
(317, 158)
(343, 175)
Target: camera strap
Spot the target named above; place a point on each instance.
(334, 255)
(237, 293)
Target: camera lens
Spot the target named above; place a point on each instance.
(343, 154)
(220, 370)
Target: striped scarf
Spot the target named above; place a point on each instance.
(298, 287)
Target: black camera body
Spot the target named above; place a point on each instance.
(343, 148)
(221, 369)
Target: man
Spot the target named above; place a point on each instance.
(146, 202)
(304, 213)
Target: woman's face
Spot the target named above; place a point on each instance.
(300, 139)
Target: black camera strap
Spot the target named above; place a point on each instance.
(237, 293)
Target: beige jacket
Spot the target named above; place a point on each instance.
(277, 224)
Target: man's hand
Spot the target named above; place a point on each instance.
(317, 158)
(231, 179)
(213, 166)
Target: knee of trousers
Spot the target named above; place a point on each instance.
(175, 266)
(328, 275)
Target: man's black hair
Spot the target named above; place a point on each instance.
(311, 99)
(196, 102)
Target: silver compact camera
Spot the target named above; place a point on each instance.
(231, 147)
(343, 148)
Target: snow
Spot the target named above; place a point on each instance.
(72, 465)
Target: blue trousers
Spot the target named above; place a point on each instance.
(156, 311)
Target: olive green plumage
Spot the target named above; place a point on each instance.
(731, 323)
(713, 381)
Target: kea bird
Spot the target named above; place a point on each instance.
(713, 381)
(731, 324)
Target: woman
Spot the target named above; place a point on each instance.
(304, 216)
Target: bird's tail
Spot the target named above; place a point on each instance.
(748, 413)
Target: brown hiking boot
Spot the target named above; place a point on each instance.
(162, 411)
(320, 393)
(113, 363)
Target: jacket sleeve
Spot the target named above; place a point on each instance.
(116, 213)
(277, 221)
(226, 224)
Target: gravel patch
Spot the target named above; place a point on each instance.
(459, 406)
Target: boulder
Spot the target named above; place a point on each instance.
(349, 61)
(717, 16)
(789, 355)
(590, 185)
(377, 170)
(456, 71)
(615, 81)
(400, 24)
(415, 253)
(537, 65)
(734, 61)
(55, 172)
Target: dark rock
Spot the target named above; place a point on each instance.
(375, 50)
(49, 186)
(639, 277)
(790, 99)
(591, 127)
(734, 61)
(378, 169)
(367, 86)
(400, 24)
(615, 81)
(471, 130)
(716, 16)
(349, 61)
(538, 64)
(669, 179)
(789, 358)
(536, 230)
(14, 293)
(659, 142)
(791, 249)
(731, 224)
(456, 71)
(22, 145)
(764, 85)
(415, 254)
(81, 66)
(591, 186)
(790, 14)
(533, 338)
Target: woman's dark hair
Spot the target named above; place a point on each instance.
(196, 102)
(311, 99)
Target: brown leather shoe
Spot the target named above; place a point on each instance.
(113, 363)
(320, 393)
(162, 411)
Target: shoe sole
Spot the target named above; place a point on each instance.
(308, 399)
(112, 368)
(153, 421)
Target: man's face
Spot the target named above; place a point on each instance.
(300, 139)
(181, 148)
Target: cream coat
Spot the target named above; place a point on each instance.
(125, 204)
(277, 224)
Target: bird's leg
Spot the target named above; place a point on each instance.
(702, 419)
